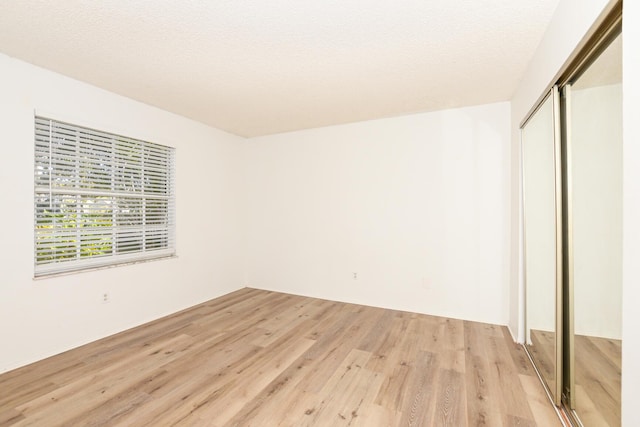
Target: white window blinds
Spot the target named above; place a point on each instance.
(100, 199)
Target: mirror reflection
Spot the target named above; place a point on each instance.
(538, 151)
(595, 153)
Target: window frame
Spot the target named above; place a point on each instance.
(101, 199)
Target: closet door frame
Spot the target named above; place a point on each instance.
(607, 28)
(568, 324)
(607, 32)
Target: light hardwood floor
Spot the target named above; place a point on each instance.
(259, 358)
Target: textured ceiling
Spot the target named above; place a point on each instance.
(260, 67)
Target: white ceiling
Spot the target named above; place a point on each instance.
(260, 67)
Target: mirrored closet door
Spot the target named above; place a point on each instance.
(572, 215)
(542, 254)
(593, 105)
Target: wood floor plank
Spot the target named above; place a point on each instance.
(303, 312)
(401, 363)
(386, 345)
(261, 358)
(89, 392)
(248, 384)
(376, 415)
(13, 393)
(331, 348)
(344, 394)
(451, 402)
(421, 393)
(482, 405)
(280, 393)
(378, 329)
(543, 413)
(112, 411)
(10, 417)
(503, 372)
(518, 355)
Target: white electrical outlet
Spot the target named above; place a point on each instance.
(105, 298)
(355, 276)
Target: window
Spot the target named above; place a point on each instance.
(100, 199)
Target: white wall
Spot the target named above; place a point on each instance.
(631, 214)
(39, 318)
(415, 205)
